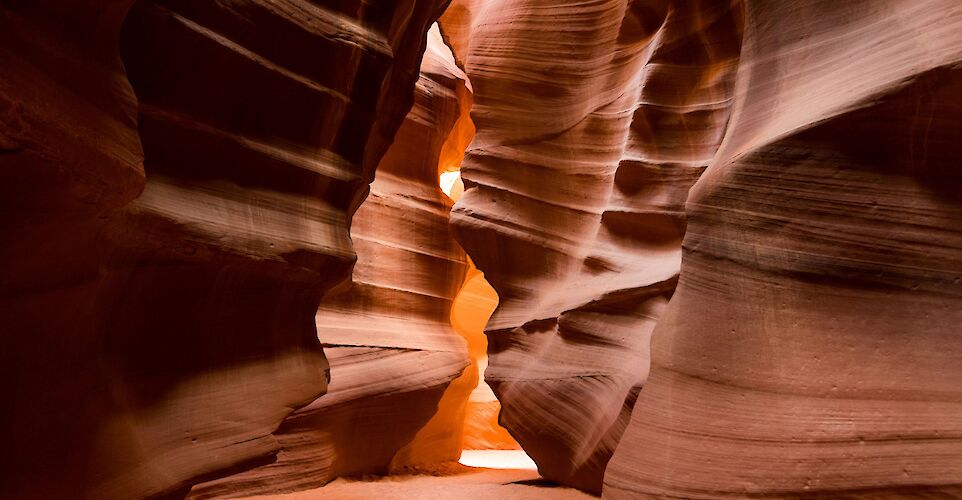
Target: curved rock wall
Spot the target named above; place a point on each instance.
(391, 346)
(812, 346)
(157, 341)
(69, 158)
(168, 240)
(593, 120)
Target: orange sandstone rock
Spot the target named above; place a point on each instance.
(158, 317)
(393, 400)
(812, 346)
(593, 120)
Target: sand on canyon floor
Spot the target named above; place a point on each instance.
(514, 479)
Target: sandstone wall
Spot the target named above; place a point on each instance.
(388, 336)
(70, 157)
(593, 120)
(812, 346)
(158, 303)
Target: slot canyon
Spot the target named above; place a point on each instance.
(518, 249)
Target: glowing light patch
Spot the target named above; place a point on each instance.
(448, 180)
(497, 459)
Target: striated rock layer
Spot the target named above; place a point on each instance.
(593, 120)
(813, 343)
(159, 326)
(391, 346)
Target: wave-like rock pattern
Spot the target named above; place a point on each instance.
(812, 346)
(388, 337)
(159, 326)
(593, 120)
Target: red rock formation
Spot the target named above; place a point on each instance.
(158, 341)
(594, 119)
(69, 157)
(812, 346)
(168, 239)
(392, 349)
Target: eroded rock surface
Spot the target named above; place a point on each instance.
(159, 326)
(812, 345)
(388, 337)
(593, 120)
(69, 158)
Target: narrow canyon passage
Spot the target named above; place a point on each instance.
(505, 249)
(405, 340)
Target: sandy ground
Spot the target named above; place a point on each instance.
(448, 482)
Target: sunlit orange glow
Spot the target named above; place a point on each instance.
(440, 439)
(469, 315)
(472, 307)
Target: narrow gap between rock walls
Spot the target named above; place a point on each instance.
(485, 443)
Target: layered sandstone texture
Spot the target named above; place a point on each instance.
(593, 120)
(397, 394)
(170, 232)
(813, 343)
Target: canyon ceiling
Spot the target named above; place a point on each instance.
(724, 238)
